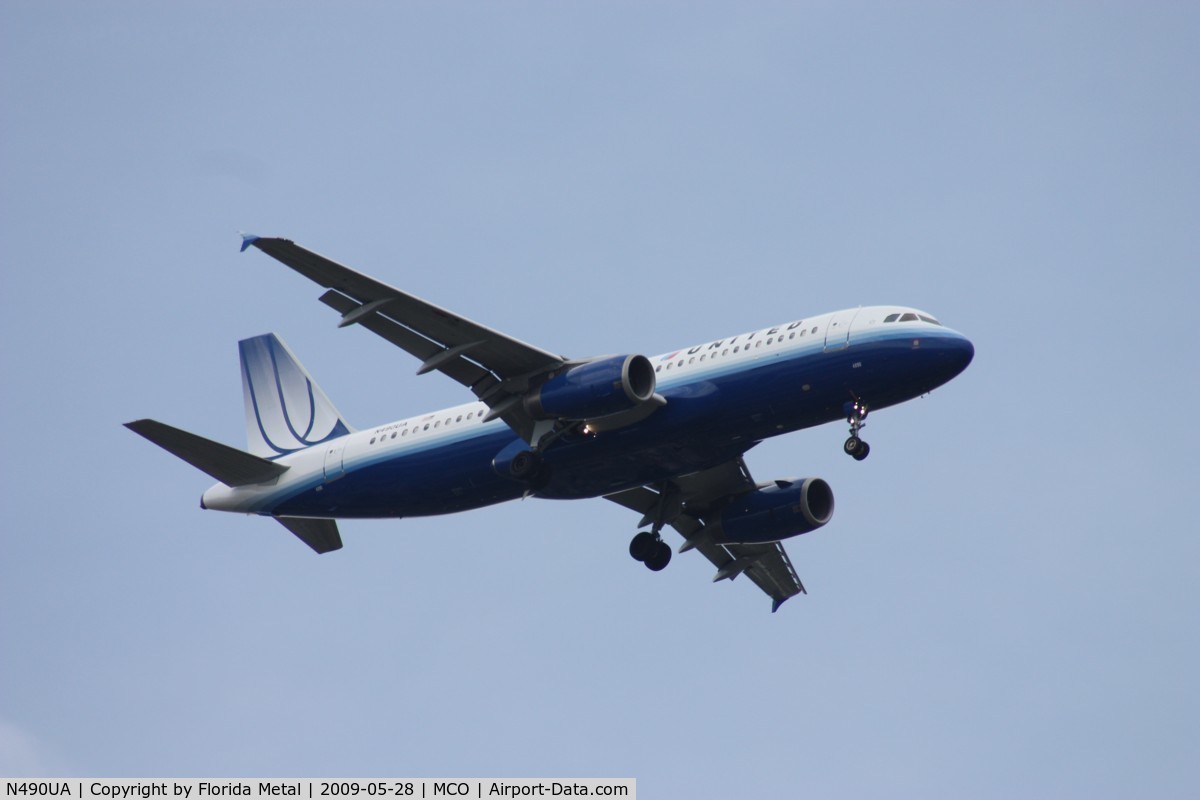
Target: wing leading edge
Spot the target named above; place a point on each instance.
(683, 504)
(497, 368)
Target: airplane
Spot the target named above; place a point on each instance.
(663, 436)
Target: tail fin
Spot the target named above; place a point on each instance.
(285, 409)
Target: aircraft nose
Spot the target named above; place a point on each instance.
(958, 353)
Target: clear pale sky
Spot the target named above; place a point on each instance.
(1006, 600)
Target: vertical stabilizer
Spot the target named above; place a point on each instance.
(285, 409)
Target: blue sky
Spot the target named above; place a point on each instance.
(1005, 600)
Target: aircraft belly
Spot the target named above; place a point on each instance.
(438, 480)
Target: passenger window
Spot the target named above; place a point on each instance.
(426, 427)
(725, 352)
(814, 330)
(372, 440)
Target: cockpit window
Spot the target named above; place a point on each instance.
(910, 317)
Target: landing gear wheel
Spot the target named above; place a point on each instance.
(856, 448)
(525, 465)
(643, 545)
(659, 557)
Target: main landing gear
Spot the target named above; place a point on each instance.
(649, 548)
(528, 467)
(525, 465)
(855, 447)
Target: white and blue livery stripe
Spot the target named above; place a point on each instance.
(286, 410)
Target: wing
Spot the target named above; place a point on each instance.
(683, 504)
(497, 368)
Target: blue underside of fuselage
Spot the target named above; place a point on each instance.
(711, 417)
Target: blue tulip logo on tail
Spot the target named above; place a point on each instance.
(286, 410)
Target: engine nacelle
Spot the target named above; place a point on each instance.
(776, 511)
(596, 389)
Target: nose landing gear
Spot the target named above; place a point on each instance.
(855, 447)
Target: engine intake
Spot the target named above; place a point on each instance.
(777, 511)
(595, 389)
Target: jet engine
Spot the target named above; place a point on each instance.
(596, 389)
(775, 511)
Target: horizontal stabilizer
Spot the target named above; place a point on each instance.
(319, 534)
(229, 465)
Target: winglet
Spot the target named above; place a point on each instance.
(247, 240)
(781, 600)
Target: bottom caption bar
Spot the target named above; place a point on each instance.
(197, 789)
